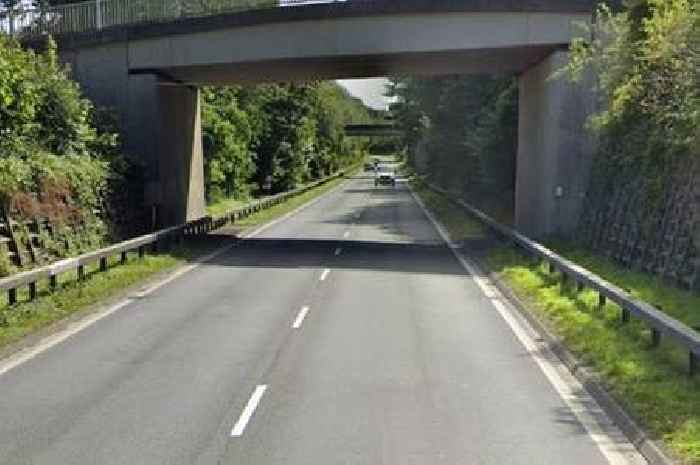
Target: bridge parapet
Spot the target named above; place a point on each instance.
(96, 15)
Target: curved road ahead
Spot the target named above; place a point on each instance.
(346, 334)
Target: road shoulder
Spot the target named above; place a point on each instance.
(606, 422)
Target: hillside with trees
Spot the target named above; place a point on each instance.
(643, 205)
(292, 133)
(461, 132)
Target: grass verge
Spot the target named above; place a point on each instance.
(651, 383)
(73, 297)
(278, 210)
(225, 205)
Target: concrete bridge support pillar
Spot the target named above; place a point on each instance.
(160, 128)
(180, 157)
(554, 150)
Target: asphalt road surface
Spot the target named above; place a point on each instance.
(346, 334)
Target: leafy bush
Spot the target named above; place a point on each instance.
(646, 60)
(55, 162)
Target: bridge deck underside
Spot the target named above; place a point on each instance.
(507, 60)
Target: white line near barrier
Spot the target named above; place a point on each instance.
(614, 446)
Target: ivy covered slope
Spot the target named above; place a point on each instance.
(54, 163)
(644, 200)
(287, 133)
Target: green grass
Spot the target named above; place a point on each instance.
(460, 225)
(679, 303)
(225, 205)
(651, 383)
(278, 210)
(73, 297)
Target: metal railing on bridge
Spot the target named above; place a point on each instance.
(95, 15)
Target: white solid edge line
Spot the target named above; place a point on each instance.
(613, 445)
(300, 317)
(28, 353)
(325, 274)
(248, 411)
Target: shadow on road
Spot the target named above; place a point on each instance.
(355, 255)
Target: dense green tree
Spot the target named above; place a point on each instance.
(466, 127)
(229, 160)
(288, 133)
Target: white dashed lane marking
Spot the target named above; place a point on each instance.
(248, 411)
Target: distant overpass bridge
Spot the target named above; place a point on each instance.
(147, 59)
(372, 130)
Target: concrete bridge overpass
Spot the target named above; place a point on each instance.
(371, 130)
(150, 72)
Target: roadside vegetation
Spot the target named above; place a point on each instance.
(643, 194)
(74, 298)
(652, 384)
(58, 160)
(461, 133)
(283, 135)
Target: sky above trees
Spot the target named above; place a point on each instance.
(371, 91)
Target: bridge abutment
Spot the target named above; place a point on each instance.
(180, 155)
(160, 129)
(554, 149)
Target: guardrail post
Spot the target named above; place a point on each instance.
(564, 282)
(142, 251)
(580, 287)
(12, 296)
(103, 264)
(655, 337)
(692, 364)
(81, 272)
(552, 268)
(123, 259)
(602, 300)
(53, 282)
(32, 291)
(625, 315)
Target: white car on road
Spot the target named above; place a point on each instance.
(385, 176)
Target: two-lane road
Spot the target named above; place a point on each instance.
(346, 334)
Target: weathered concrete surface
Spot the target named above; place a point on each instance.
(554, 150)
(181, 160)
(161, 128)
(467, 42)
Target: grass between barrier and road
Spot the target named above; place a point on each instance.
(651, 384)
(74, 297)
(222, 206)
